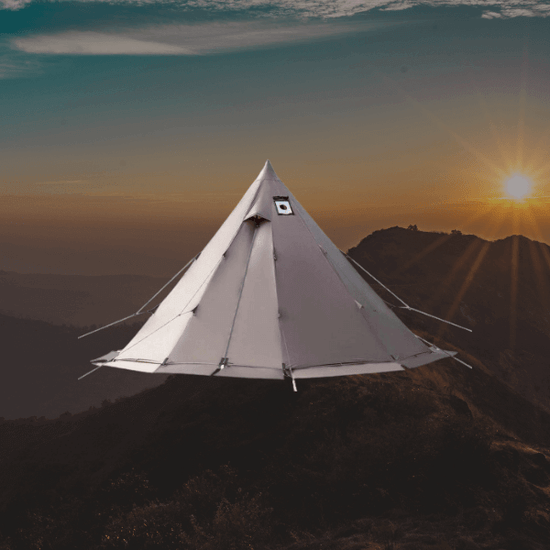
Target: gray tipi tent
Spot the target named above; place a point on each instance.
(271, 296)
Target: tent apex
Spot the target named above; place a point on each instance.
(268, 167)
(267, 172)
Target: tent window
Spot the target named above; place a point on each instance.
(283, 206)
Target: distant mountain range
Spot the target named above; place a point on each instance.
(74, 299)
(41, 363)
(441, 457)
(41, 317)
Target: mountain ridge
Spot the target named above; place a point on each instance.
(499, 289)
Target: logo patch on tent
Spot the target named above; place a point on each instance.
(283, 206)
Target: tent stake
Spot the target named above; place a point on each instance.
(447, 354)
(287, 372)
(223, 363)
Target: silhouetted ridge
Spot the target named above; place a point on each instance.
(500, 289)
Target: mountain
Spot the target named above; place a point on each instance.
(74, 299)
(441, 457)
(41, 364)
(501, 290)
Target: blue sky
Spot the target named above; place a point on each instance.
(129, 126)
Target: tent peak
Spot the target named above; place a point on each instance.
(267, 172)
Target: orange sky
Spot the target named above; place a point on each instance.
(95, 235)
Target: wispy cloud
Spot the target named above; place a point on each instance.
(14, 4)
(89, 184)
(12, 65)
(495, 9)
(180, 39)
(525, 9)
(328, 8)
(61, 182)
(491, 15)
(398, 6)
(95, 43)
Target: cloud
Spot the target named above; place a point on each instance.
(345, 8)
(491, 15)
(196, 39)
(14, 4)
(318, 8)
(62, 182)
(315, 8)
(94, 43)
(89, 185)
(326, 8)
(398, 6)
(525, 10)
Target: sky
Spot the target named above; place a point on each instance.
(130, 129)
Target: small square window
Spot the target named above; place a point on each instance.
(283, 206)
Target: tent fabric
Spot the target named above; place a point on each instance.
(271, 296)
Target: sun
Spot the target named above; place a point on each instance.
(518, 186)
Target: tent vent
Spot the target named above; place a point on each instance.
(283, 206)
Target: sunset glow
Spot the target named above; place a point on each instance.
(129, 136)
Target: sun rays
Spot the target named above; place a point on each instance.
(515, 170)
